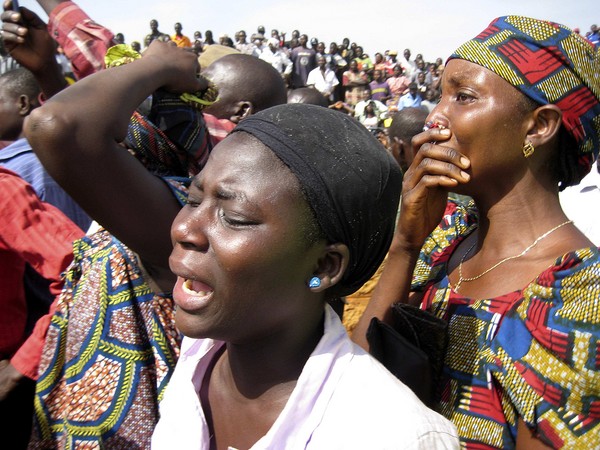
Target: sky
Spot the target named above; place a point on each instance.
(433, 28)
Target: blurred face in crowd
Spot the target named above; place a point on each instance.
(321, 47)
(407, 54)
(303, 40)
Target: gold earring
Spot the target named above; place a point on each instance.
(528, 149)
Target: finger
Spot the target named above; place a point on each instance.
(442, 153)
(434, 167)
(10, 16)
(11, 39)
(431, 135)
(430, 166)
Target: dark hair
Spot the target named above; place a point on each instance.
(407, 123)
(20, 81)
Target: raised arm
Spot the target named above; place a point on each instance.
(73, 29)
(76, 135)
(49, 5)
(435, 170)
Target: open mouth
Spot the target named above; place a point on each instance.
(197, 288)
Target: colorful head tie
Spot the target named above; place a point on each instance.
(550, 64)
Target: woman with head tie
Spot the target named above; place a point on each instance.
(517, 282)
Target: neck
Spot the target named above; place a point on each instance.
(534, 212)
(251, 369)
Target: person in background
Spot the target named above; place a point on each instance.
(580, 204)
(515, 279)
(379, 64)
(34, 236)
(380, 108)
(322, 78)
(431, 99)
(398, 84)
(380, 89)
(65, 64)
(243, 46)
(364, 62)
(307, 95)
(406, 124)
(593, 35)
(119, 38)
(198, 44)
(208, 38)
(354, 82)
(179, 38)
(154, 34)
(304, 61)
(390, 63)
(277, 58)
(20, 94)
(410, 99)
(408, 65)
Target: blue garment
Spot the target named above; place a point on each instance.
(19, 158)
(408, 101)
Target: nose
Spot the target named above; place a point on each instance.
(190, 229)
(437, 117)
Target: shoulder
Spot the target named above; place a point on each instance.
(458, 221)
(385, 412)
(546, 349)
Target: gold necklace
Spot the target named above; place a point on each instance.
(462, 279)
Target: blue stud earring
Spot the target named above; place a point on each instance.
(314, 282)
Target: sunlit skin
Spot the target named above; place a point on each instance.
(235, 238)
(243, 258)
(478, 151)
(481, 110)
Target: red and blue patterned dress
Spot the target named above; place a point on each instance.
(532, 354)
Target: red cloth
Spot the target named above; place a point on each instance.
(37, 233)
(217, 128)
(84, 41)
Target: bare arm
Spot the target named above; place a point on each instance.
(49, 5)
(76, 136)
(434, 170)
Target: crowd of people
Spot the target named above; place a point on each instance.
(185, 228)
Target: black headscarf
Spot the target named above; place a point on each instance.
(350, 181)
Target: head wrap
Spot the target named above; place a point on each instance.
(550, 64)
(348, 178)
(169, 136)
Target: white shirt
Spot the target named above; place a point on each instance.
(279, 60)
(344, 399)
(581, 203)
(323, 82)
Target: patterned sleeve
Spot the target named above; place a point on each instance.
(546, 354)
(458, 220)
